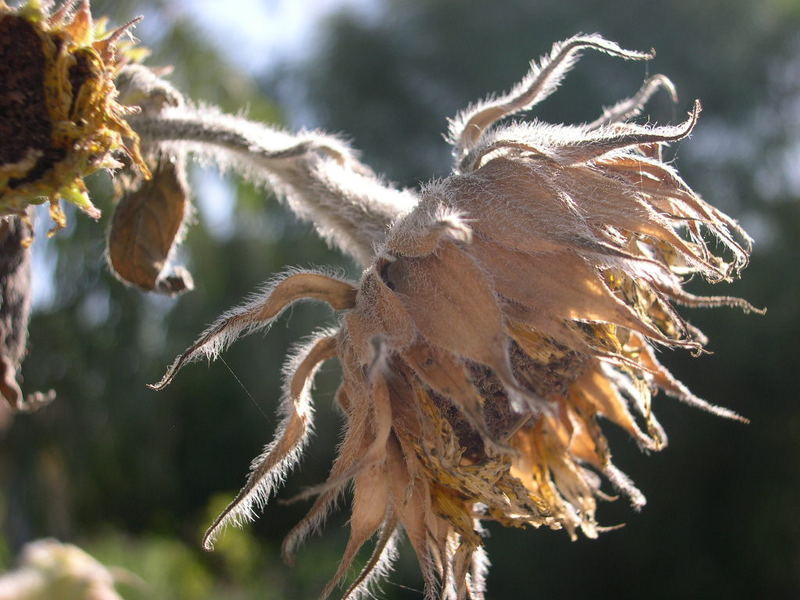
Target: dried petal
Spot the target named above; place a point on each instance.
(632, 107)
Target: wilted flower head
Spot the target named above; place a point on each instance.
(59, 117)
(517, 303)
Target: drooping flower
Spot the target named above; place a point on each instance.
(59, 116)
(517, 304)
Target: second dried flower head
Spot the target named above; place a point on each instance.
(59, 115)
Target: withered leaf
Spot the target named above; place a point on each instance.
(146, 226)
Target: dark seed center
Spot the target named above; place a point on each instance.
(24, 120)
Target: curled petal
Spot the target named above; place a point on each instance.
(602, 394)
(656, 178)
(381, 414)
(632, 107)
(591, 148)
(349, 452)
(564, 146)
(686, 299)
(664, 380)
(541, 81)
(561, 286)
(415, 514)
(623, 484)
(373, 420)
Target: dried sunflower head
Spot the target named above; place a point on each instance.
(500, 319)
(59, 117)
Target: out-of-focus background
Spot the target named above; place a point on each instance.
(134, 476)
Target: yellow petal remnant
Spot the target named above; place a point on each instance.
(59, 117)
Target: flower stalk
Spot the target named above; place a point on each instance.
(319, 175)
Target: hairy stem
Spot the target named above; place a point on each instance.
(318, 175)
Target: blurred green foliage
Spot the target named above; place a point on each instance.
(134, 476)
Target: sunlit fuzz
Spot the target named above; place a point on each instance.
(517, 305)
(59, 117)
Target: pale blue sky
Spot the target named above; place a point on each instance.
(268, 31)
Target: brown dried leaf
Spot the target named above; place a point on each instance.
(371, 509)
(146, 225)
(379, 312)
(353, 445)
